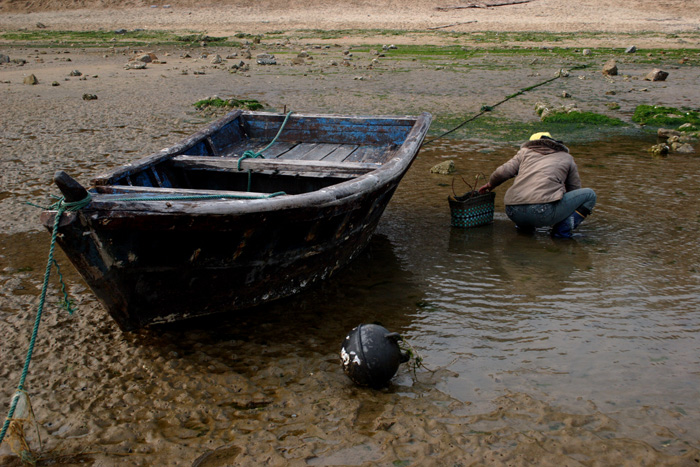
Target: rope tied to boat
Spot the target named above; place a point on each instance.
(61, 206)
(489, 108)
(250, 154)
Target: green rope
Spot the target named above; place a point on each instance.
(61, 206)
(489, 108)
(250, 154)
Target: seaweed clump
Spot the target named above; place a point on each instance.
(215, 103)
(660, 116)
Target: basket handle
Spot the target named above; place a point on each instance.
(471, 188)
(465, 182)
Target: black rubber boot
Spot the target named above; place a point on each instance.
(565, 228)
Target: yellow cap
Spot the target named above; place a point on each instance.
(540, 135)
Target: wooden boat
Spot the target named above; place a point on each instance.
(201, 227)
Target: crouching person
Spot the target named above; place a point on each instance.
(547, 187)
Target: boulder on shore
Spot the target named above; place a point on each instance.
(610, 67)
(656, 75)
(443, 168)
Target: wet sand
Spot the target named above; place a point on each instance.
(261, 388)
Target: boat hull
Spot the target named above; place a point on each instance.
(162, 261)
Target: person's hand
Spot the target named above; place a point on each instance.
(485, 188)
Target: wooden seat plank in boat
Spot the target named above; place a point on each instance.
(294, 167)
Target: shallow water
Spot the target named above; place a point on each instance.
(610, 318)
(540, 351)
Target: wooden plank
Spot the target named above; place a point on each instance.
(274, 151)
(146, 191)
(341, 153)
(320, 152)
(298, 152)
(367, 153)
(196, 162)
(382, 155)
(279, 149)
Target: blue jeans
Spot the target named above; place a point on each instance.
(530, 216)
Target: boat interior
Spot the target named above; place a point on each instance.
(299, 161)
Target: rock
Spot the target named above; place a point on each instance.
(631, 50)
(266, 61)
(231, 56)
(656, 75)
(89, 97)
(120, 31)
(659, 150)
(586, 52)
(665, 133)
(610, 67)
(145, 58)
(135, 66)
(4, 58)
(686, 126)
(40, 26)
(216, 60)
(75, 73)
(443, 168)
(31, 79)
(685, 148)
(55, 83)
(246, 54)
(565, 95)
(303, 54)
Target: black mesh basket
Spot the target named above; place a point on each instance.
(472, 209)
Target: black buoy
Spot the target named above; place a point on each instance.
(371, 355)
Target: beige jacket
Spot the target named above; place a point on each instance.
(543, 170)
